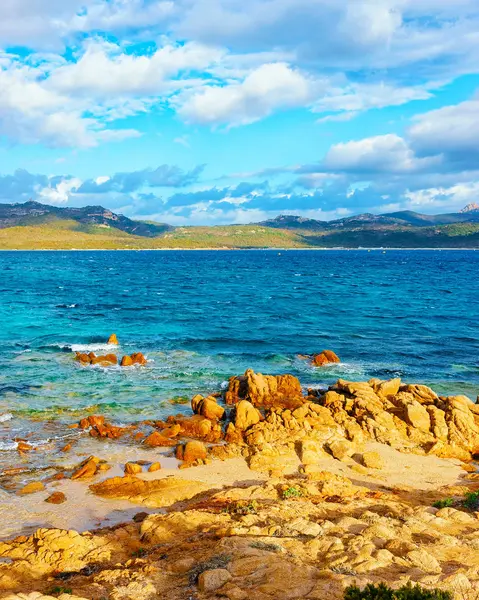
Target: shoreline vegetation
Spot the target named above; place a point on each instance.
(35, 226)
(265, 490)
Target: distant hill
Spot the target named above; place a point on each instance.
(469, 214)
(34, 213)
(37, 226)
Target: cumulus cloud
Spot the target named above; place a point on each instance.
(385, 153)
(31, 111)
(105, 70)
(269, 87)
(452, 130)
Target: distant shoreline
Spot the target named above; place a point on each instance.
(272, 249)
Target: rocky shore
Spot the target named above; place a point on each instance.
(265, 491)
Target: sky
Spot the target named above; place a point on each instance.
(204, 112)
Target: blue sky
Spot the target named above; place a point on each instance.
(233, 111)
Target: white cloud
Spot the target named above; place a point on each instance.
(456, 195)
(452, 130)
(105, 70)
(60, 192)
(35, 23)
(355, 97)
(267, 88)
(31, 111)
(385, 153)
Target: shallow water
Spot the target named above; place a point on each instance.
(203, 316)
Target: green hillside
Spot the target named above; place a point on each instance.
(55, 234)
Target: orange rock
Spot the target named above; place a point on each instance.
(207, 407)
(83, 358)
(193, 451)
(87, 468)
(112, 432)
(132, 468)
(197, 427)
(113, 339)
(31, 488)
(265, 390)
(92, 421)
(24, 447)
(108, 359)
(156, 440)
(66, 448)
(325, 358)
(56, 498)
(126, 361)
(171, 432)
(138, 359)
(156, 466)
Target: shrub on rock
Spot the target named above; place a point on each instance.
(384, 592)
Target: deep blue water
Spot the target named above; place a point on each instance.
(203, 316)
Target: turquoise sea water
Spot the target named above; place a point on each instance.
(201, 317)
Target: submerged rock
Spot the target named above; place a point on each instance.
(31, 488)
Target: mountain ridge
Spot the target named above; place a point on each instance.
(32, 225)
(32, 212)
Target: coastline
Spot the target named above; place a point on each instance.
(269, 249)
(260, 491)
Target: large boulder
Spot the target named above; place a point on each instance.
(265, 390)
(412, 412)
(194, 451)
(207, 407)
(246, 415)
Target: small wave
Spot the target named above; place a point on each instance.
(66, 306)
(6, 417)
(89, 347)
(6, 446)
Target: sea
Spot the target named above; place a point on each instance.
(201, 317)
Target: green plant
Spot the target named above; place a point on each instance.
(383, 592)
(292, 492)
(139, 553)
(471, 500)
(444, 503)
(58, 590)
(215, 562)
